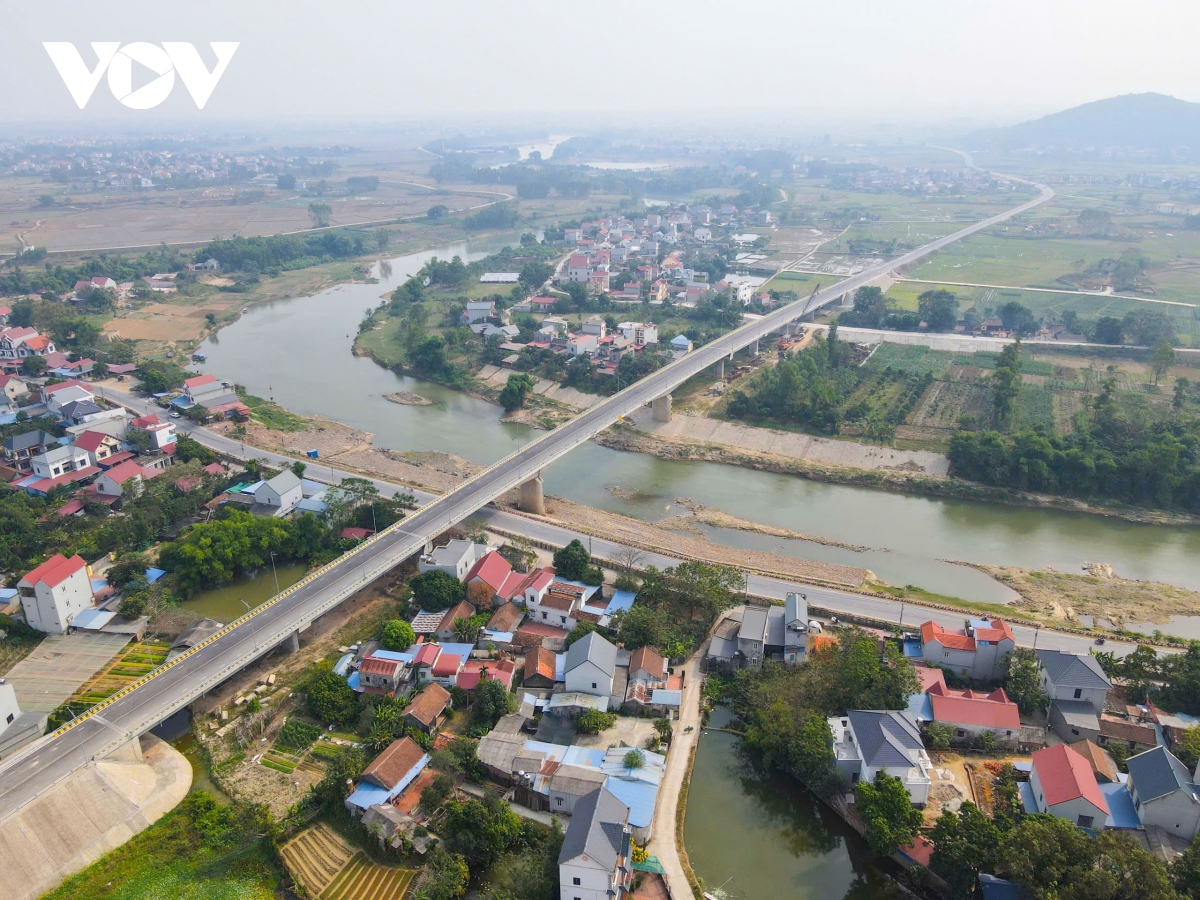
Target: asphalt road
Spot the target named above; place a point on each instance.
(33, 771)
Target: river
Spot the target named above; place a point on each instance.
(298, 351)
(765, 836)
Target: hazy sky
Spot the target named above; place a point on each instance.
(618, 60)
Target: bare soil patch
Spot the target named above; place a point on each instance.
(327, 437)
(1066, 596)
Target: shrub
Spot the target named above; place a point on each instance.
(592, 721)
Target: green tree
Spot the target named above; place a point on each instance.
(159, 376)
(1161, 359)
(1179, 393)
(965, 844)
(434, 794)
(1189, 747)
(436, 590)
(1044, 853)
(1094, 222)
(446, 876)
(1109, 330)
(592, 721)
(580, 631)
(1017, 319)
(1022, 682)
(329, 697)
(938, 309)
(939, 735)
(515, 391)
(642, 626)
(1185, 872)
(397, 635)
(575, 563)
(35, 365)
(480, 830)
(887, 812)
(319, 213)
(493, 701)
(437, 212)
(870, 308)
(634, 759)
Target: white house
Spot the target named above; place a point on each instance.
(59, 395)
(639, 332)
(124, 479)
(203, 387)
(456, 558)
(582, 345)
(1163, 793)
(282, 492)
(13, 387)
(478, 310)
(16, 728)
(979, 651)
(703, 235)
(97, 445)
(55, 592)
(595, 325)
(596, 860)
(59, 460)
(579, 269)
(1064, 785)
(867, 742)
(1070, 676)
(590, 666)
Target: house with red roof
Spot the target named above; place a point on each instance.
(55, 592)
(476, 670)
(539, 668)
(978, 651)
(971, 713)
(1064, 785)
(381, 676)
(97, 445)
(160, 433)
(491, 569)
(124, 480)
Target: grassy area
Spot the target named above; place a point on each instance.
(173, 859)
(272, 415)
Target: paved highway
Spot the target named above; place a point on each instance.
(149, 701)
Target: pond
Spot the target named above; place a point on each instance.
(224, 603)
(759, 836)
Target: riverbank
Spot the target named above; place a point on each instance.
(897, 480)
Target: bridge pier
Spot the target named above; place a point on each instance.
(754, 348)
(292, 643)
(661, 407)
(719, 369)
(130, 751)
(533, 498)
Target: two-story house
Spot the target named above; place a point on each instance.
(455, 558)
(596, 859)
(591, 664)
(1163, 792)
(1064, 785)
(59, 460)
(124, 479)
(980, 651)
(1078, 689)
(55, 592)
(867, 742)
(21, 448)
(774, 632)
(97, 445)
(641, 333)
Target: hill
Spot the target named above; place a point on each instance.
(1153, 122)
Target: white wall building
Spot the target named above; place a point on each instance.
(55, 592)
(590, 666)
(868, 742)
(595, 862)
(1064, 785)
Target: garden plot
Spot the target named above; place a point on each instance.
(315, 857)
(367, 880)
(948, 401)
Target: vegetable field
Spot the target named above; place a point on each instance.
(315, 857)
(366, 880)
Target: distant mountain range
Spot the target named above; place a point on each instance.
(1153, 122)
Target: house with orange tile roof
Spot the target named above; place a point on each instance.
(539, 668)
(1064, 785)
(428, 708)
(445, 629)
(55, 592)
(978, 651)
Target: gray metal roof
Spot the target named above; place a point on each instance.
(1157, 773)
(754, 624)
(1078, 712)
(28, 440)
(597, 828)
(795, 609)
(1073, 670)
(80, 408)
(885, 737)
(775, 629)
(284, 481)
(592, 648)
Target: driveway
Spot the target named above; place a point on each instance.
(663, 844)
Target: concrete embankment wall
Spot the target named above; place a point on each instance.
(95, 810)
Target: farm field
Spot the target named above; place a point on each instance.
(137, 660)
(926, 395)
(331, 869)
